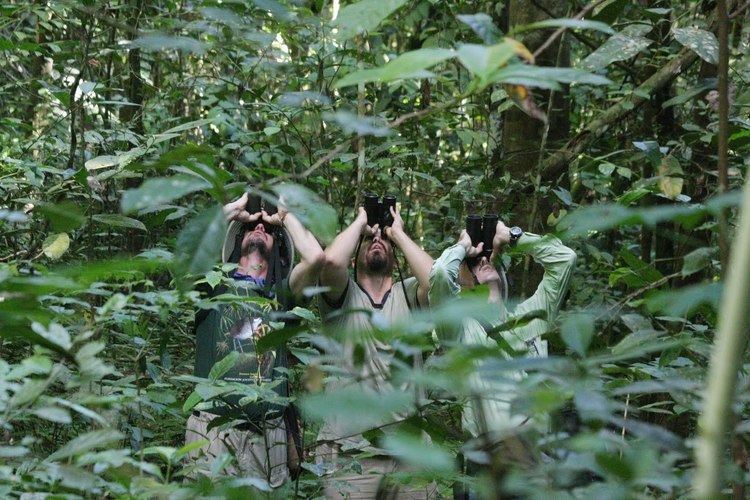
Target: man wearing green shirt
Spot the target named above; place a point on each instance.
(489, 415)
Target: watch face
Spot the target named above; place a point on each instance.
(516, 232)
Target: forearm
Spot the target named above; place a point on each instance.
(341, 249)
(304, 241)
(306, 272)
(418, 260)
(444, 274)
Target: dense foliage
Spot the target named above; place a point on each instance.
(126, 124)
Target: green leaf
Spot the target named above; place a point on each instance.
(314, 213)
(540, 76)
(53, 414)
(13, 451)
(364, 16)
(685, 301)
(185, 450)
(619, 47)
(223, 365)
(670, 177)
(482, 61)
(200, 242)
(55, 245)
(482, 25)
(566, 23)
(85, 442)
(355, 409)
(63, 216)
(156, 42)
(702, 42)
(102, 162)
(576, 331)
(418, 454)
(193, 399)
(361, 125)
(119, 221)
(697, 260)
(407, 65)
(160, 191)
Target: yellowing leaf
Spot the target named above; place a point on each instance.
(670, 177)
(56, 245)
(520, 50)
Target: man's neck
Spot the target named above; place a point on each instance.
(376, 286)
(253, 264)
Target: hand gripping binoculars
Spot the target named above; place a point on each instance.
(481, 229)
(379, 211)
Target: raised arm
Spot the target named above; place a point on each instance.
(558, 262)
(305, 273)
(418, 260)
(334, 273)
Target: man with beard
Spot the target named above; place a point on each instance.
(362, 361)
(261, 436)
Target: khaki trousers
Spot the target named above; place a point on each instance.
(367, 485)
(257, 455)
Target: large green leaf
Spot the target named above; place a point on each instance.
(157, 42)
(357, 409)
(118, 220)
(63, 216)
(407, 65)
(200, 242)
(702, 42)
(85, 442)
(223, 365)
(577, 330)
(55, 245)
(566, 23)
(541, 76)
(482, 61)
(317, 215)
(420, 455)
(160, 191)
(619, 47)
(364, 16)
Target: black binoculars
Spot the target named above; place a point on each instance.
(481, 229)
(379, 211)
(255, 204)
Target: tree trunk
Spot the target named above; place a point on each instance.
(521, 136)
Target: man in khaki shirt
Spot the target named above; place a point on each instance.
(372, 297)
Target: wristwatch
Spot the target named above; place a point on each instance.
(515, 234)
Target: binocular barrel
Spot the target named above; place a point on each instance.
(489, 226)
(379, 211)
(255, 204)
(481, 229)
(474, 228)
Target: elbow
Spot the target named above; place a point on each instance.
(318, 260)
(329, 263)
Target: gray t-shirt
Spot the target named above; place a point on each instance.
(374, 372)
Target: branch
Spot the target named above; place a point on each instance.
(555, 163)
(559, 31)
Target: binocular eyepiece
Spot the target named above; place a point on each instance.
(379, 211)
(481, 229)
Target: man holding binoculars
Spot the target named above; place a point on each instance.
(266, 443)
(368, 296)
(470, 262)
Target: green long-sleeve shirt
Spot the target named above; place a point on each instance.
(494, 396)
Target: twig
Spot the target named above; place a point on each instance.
(559, 31)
